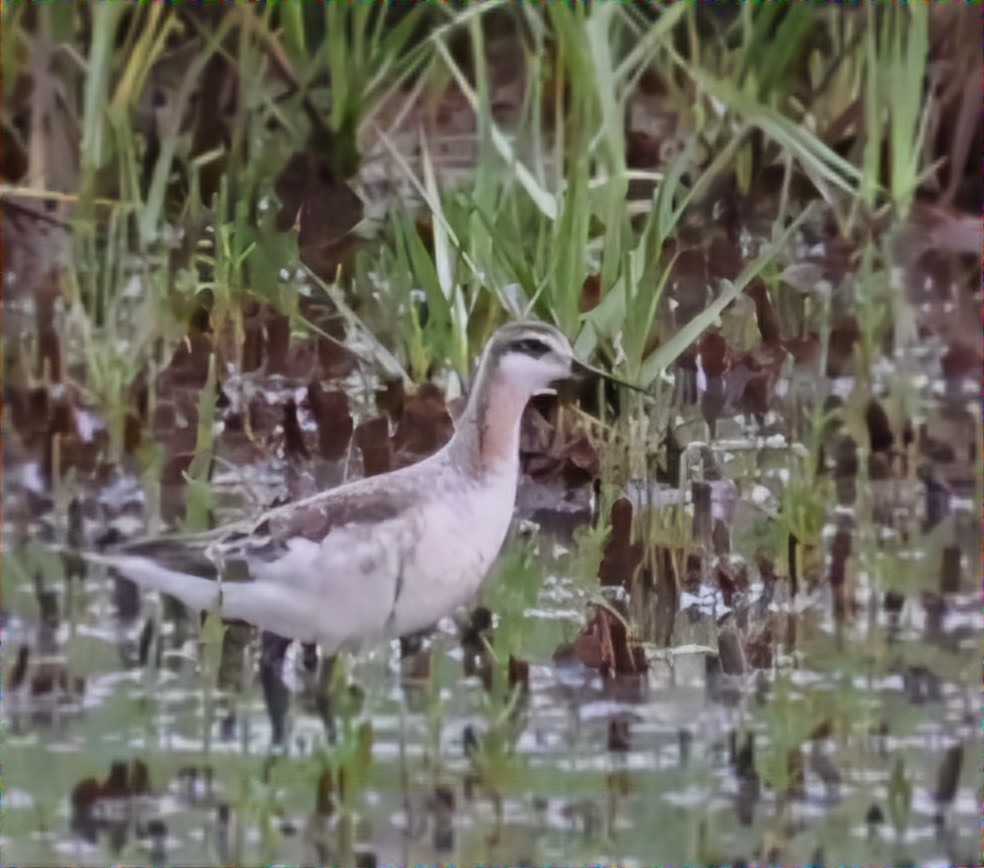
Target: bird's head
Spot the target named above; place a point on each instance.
(528, 357)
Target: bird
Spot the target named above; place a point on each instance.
(382, 556)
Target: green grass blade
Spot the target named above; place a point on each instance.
(106, 19)
(543, 199)
(661, 358)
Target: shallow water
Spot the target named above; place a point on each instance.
(852, 736)
(602, 770)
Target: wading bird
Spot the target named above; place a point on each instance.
(383, 556)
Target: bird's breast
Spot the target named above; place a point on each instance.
(460, 535)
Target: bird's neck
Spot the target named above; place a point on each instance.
(486, 437)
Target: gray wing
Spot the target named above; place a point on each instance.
(327, 568)
(248, 550)
(267, 538)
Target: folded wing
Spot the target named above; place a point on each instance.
(326, 569)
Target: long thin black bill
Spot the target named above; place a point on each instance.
(580, 368)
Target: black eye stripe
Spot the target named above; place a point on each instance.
(530, 346)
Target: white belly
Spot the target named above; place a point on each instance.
(461, 535)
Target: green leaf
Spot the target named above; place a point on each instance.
(213, 633)
(570, 240)
(292, 22)
(359, 763)
(199, 493)
(106, 19)
(543, 199)
(899, 796)
(816, 157)
(661, 358)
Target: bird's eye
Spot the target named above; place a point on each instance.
(531, 347)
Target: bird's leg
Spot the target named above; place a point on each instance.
(310, 656)
(231, 675)
(273, 648)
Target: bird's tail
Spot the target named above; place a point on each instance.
(269, 606)
(195, 592)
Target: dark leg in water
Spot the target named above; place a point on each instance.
(273, 648)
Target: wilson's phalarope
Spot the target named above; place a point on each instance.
(382, 556)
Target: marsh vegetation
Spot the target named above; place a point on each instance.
(251, 252)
